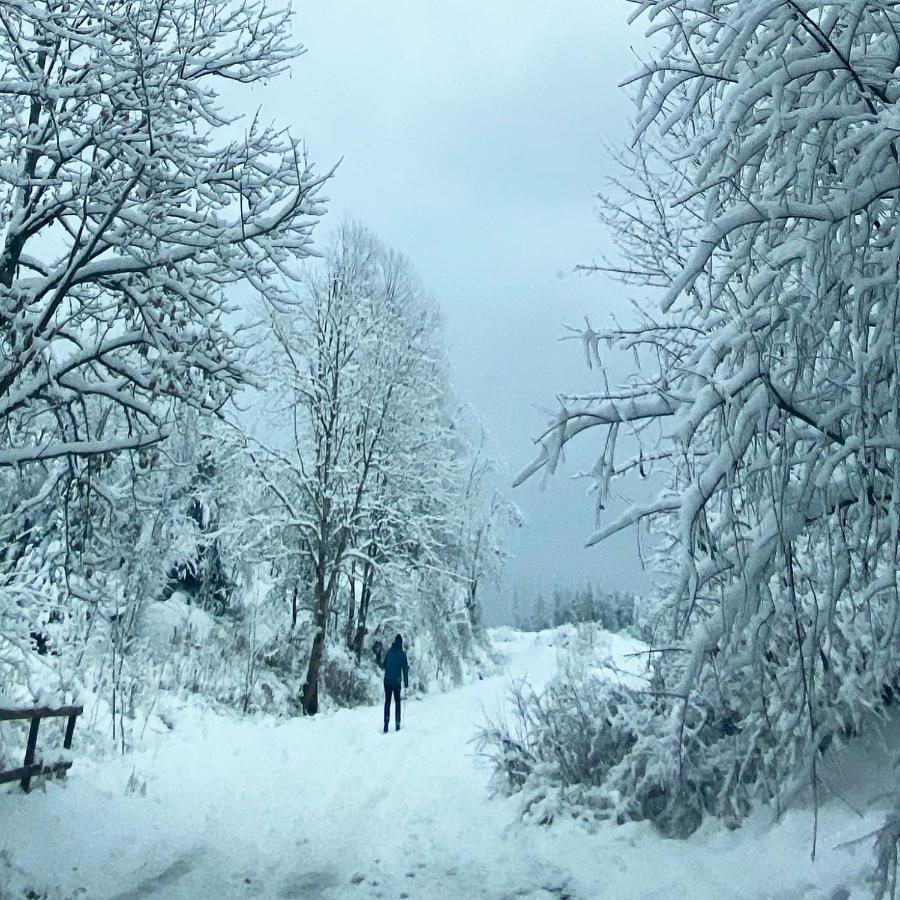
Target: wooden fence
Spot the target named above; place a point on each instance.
(30, 769)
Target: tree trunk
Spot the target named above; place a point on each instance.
(310, 699)
(351, 611)
(358, 640)
(364, 598)
(311, 687)
(471, 603)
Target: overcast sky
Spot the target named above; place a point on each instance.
(473, 139)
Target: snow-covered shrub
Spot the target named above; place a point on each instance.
(594, 744)
(600, 750)
(573, 732)
(346, 683)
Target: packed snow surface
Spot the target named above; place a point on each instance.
(225, 807)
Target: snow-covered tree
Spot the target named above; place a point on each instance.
(357, 361)
(539, 618)
(483, 518)
(407, 507)
(130, 208)
(760, 206)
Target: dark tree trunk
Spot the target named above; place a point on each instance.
(311, 687)
(358, 641)
(310, 699)
(351, 611)
(364, 600)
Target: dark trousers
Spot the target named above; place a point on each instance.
(391, 690)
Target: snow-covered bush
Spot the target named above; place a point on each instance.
(594, 744)
(591, 746)
(346, 682)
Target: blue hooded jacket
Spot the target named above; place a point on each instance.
(395, 663)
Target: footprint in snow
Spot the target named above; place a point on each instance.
(309, 885)
(169, 876)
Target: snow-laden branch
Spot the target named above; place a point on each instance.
(760, 204)
(128, 210)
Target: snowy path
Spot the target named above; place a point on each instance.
(332, 808)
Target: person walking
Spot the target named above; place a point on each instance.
(395, 665)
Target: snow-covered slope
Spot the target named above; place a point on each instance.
(224, 807)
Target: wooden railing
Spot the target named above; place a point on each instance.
(30, 769)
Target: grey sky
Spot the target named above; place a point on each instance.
(472, 137)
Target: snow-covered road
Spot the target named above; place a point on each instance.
(332, 808)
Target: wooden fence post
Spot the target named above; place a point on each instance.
(29, 752)
(70, 731)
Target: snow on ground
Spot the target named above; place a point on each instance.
(223, 807)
